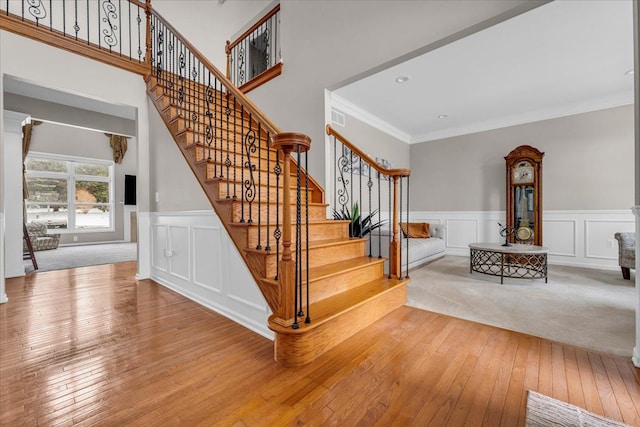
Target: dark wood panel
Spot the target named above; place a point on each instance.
(94, 346)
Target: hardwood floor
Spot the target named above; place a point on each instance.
(93, 346)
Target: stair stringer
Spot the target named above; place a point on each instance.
(271, 295)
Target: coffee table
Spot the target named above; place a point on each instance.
(516, 261)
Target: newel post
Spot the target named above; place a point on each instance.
(394, 250)
(228, 50)
(287, 142)
(147, 12)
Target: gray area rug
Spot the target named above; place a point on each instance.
(588, 308)
(544, 411)
(82, 256)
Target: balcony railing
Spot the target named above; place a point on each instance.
(256, 57)
(111, 31)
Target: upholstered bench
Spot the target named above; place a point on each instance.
(421, 250)
(626, 253)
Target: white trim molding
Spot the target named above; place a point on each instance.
(3, 294)
(636, 349)
(341, 104)
(191, 253)
(579, 238)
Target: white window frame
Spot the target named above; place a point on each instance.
(71, 178)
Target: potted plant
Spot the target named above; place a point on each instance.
(359, 226)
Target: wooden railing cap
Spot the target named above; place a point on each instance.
(290, 141)
(398, 172)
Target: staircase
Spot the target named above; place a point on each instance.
(348, 290)
(321, 285)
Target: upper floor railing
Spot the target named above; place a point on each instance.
(256, 56)
(111, 31)
(374, 198)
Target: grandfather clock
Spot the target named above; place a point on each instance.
(524, 194)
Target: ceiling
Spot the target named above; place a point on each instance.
(562, 58)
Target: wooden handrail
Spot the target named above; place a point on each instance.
(255, 111)
(265, 18)
(140, 4)
(365, 157)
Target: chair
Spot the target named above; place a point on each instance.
(626, 253)
(40, 240)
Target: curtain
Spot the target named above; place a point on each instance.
(118, 145)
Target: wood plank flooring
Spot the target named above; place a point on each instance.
(91, 346)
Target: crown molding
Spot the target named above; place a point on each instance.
(363, 115)
(531, 117)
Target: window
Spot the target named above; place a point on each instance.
(69, 192)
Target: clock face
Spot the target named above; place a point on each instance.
(523, 173)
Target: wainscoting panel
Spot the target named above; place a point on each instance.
(193, 255)
(600, 241)
(178, 252)
(560, 236)
(460, 232)
(159, 245)
(206, 260)
(575, 238)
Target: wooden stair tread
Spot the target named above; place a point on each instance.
(314, 244)
(273, 223)
(272, 202)
(327, 309)
(334, 269)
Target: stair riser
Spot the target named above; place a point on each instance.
(263, 194)
(183, 123)
(216, 160)
(300, 349)
(327, 287)
(172, 108)
(218, 154)
(315, 212)
(317, 257)
(241, 174)
(197, 134)
(323, 231)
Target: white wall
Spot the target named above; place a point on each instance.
(588, 164)
(12, 177)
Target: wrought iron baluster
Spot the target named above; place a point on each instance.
(379, 216)
(267, 247)
(76, 27)
(235, 150)
(249, 183)
(50, 16)
(242, 195)
(99, 38)
(216, 126)
(371, 212)
(64, 18)
(120, 25)
(335, 174)
(407, 240)
(277, 233)
(360, 197)
(391, 228)
(89, 26)
(139, 21)
(299, 229)
(227, 161)
(400, 234)
(259, 186)
(306, 196)
(209, 129)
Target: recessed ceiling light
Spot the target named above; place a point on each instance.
(443, 116)
(401, 79)
(630, 72)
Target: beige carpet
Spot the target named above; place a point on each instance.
(589, 308)
(544, 411)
